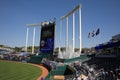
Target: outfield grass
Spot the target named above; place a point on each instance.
(18, 71)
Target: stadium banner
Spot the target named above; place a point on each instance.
(47, 38)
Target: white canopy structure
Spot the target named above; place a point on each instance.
(70, 53)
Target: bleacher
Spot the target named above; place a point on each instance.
(60, 70)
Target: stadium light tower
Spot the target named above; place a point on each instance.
(28, 26)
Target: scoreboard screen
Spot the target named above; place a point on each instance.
(47, 38)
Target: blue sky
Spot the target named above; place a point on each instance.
(15, 14)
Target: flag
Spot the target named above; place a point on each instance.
(93, 33)
(89, 35)
(98, 31)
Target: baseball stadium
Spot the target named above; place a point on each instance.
(102, 64)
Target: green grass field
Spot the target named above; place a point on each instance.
(16, 71)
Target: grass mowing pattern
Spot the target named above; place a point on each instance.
(17, 71)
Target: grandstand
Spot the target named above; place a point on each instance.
(61, 65)
(72, 65)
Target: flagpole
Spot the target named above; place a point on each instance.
(96, 38)
(98, 33)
